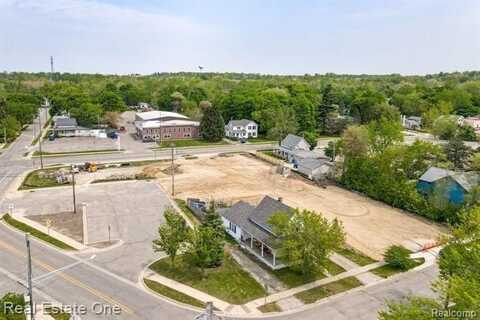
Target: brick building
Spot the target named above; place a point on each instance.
(164, 125)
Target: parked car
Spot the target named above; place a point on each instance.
(51, 136)
(112, 135)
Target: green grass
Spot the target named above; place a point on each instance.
(260, 140)
(292, 278)
(356, 256)
(189, 143)
(330, 289)
(44, 153)
(228, 282)
(36, 233)
(33, 180)
(270, 307)
(387, 271)
(173, 294)
(271, 154)
(57, 314)
(186, 210)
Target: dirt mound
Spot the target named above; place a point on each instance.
(176, 170)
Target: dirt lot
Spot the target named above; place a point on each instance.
(370, 225)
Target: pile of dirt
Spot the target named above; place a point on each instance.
(168, 170)
(151, 171)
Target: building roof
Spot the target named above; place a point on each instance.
(414, 118)
(291, 141)
(313, 164)
(434, 174)
(254, 220)
(65, 122)
(467, 180)
(157, 115)
(243, 122)
(304, 154)
(169, 123)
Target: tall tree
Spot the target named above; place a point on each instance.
(306, 239)
(172, 235)
(212, 126)
(457, 152)
(326, 107)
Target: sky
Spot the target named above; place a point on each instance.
(258, 36)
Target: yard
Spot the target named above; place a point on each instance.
(189, 143)
(229, 282)
(371, 226)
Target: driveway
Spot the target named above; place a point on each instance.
(133, 209)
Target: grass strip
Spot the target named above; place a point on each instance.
(57, 313)
(182, 204)
(329, 289)
(189, 143)
(44, 153)
(35, 233)
(356, 256)
(34, 180)
(173, 294)
(387, 271)
(270, 307)
(228, 282)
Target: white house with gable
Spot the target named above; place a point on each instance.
(241, 129)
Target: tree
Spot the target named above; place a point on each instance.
(88, 114)
(331, 150)
(415, 308)
(457, 152)
(112, 101)
(284, 123)
(445, 127)
(399, 257)
(475, 161)
(204, 248)
(354, 141)
(212, 126)
(172, 235)
(306, 239)
(177, 101)
(326, 107)
(383, 133)
(112, 118)
(11, 126)
(311, 137)
(467, 133)
(15, 301)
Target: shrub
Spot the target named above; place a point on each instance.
(399, 257)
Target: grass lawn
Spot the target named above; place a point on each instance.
(35, 233)
(270, 307)
(189, 143)
(186, 210)
(356, 256)
(260, 140)
(291, 278)
(270, 153)
(34, 180)
(173, 294)
(330, 289)
(57, 314)
(229, 282)
(388, 271)
(37, 153)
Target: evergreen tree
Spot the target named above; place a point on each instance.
(326, 107)
(212, 126)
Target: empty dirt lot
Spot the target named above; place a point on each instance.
(370, 225)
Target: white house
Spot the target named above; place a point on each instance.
(473, 122)
(241, 129)
(249, 226)
(413, 123)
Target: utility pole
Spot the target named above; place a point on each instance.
(29, 276)
(73, 191)
(40, 138)
(5, 135)
(51, 69)
(173, 168)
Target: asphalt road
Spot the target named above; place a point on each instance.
(87, 283)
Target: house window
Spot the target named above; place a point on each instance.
(232, 227)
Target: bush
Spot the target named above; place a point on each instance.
(399, 257)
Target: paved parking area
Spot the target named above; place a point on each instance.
(75, 144)
(133, 209)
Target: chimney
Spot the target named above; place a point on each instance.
(280, 199)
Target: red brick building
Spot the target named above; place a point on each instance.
(164, 125)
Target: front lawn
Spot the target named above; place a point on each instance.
(260, 140)
(388, 271)
(35, 179)
(330, 289)
(356, 256)
(189, 143)
(173, 294)
(229, 282)
(35, 233)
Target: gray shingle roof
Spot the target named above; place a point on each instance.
(242, 122)
(254, 220)
(291, 141)
(313, 164)
(467, 180)
(65, 122)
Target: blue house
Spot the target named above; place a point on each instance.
(454, 185)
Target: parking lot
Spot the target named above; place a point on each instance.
(76, 144)
(371, 226)
(133, 210)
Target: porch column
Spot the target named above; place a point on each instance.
(251, 241)
(273, 258)
(262, 249)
